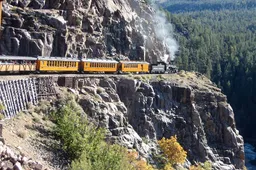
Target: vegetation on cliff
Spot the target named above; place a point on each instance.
(85, 146)
(217, 38)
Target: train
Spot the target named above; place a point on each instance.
(40, 64)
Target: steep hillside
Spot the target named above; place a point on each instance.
(220, 43)
(139, 110)
(76, 28)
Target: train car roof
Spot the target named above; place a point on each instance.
(134, 62)
(94, 60)
(5, 57)
(57, 59)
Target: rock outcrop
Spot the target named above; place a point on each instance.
(76, 28)
(11, 160)
(138, 112)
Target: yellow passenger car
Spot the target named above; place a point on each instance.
(99, 65)
(134, 66)
(17, 64)
(57, 64)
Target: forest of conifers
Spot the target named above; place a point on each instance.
(218, 39)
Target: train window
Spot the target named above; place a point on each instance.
(47, 63)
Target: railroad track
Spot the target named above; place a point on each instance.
(56, 75)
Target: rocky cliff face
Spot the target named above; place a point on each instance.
(76, 28)
(139, 111)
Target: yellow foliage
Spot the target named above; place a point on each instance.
(138, 163)
(194, 167)
(172, 150)
(168, 166)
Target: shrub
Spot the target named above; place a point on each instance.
(168, 166)
(2, 108)
(160, 77)
(44, 107)
(83, 143)
(1, 116)
(205, 166)
(100, 90)
(136, 162)
(22, 134)
(36, 119)
(172, 150)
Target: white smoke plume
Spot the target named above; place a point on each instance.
(164, 32)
